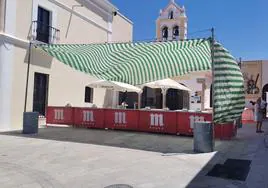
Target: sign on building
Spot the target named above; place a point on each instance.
(252, 73)
(120, 118)
(58, 114)
(88, 116)
(156, 120)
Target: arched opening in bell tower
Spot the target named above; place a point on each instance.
(171, 15)
(175, 32)
(165, 33)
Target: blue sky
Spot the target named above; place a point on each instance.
(240, 25)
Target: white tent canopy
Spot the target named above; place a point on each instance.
(189, 76)
(166, 84)
(116, 86)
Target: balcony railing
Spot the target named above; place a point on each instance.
(45, 33)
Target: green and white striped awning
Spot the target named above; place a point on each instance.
(139, 63)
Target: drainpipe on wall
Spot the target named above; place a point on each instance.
(2, 15)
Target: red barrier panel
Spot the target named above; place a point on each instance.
(59, 115)
(146, 121)
(157, 121)
(89, 117)
(121, 119)
(225, 131)
(186, 120)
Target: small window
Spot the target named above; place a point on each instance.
(88, 95)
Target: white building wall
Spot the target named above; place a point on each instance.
(194, 86)
(6, 66)
(65, 84)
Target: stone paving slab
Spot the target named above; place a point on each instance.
(66, 157)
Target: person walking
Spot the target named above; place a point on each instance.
(258, 115)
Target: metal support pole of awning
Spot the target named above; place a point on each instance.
(27, 76)
(164, 94)
(139, 99)
(213, 80)
(213, 71)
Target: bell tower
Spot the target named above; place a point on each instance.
(171, 23)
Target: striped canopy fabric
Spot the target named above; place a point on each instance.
(139, 63)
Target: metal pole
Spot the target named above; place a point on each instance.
(70, 19)
(164, 94)
(239, 120)
(213, 76)
(27, 77)
(240, 61)
(212, 67)
(2, 15)
(139, 100)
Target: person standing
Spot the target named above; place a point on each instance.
(263, 107)
(258, 115)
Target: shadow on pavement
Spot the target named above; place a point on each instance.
(166, 144)
(244, 146)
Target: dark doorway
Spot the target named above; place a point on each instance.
(43, 25)
(129, 97)
(151, 98)
(177, 99)
(144, 101)
(210, 96)
(158, 99)
(264, 97)
(40, 93)
(174, 99)
(264, 90)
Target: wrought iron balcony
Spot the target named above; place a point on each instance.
(44, 33)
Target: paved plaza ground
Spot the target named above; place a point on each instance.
(67, 157)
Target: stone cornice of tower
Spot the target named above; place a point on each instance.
(175, 4)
